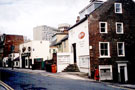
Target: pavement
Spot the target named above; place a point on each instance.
(71, 75)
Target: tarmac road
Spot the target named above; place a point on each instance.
(26, 81)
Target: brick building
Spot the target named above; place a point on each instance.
(9, 44)
(112, 40)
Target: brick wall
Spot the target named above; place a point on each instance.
(106, 13)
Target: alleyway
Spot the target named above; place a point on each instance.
(36, 81)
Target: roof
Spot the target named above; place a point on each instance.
(64, 38)
(90, 5)
(53, 43)
(82, 20)
(59, 33)
(86, 16)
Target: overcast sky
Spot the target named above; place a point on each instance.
(20, 16)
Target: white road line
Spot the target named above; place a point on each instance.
(6, 86)
(119, 87)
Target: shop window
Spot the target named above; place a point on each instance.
(105, 72)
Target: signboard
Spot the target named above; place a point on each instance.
(81, 35)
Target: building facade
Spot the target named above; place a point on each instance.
(44, 32)
(111, 36)
(9, 44)
(32, 54)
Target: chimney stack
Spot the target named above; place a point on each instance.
(93, 0)
(78, 19)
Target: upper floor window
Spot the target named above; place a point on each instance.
(121, 49)
(103, 27)
(118, 8)
(104, 49)
(119, 28)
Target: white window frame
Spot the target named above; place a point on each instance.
(120, 8)
(123, 49)
(106, 31)
(106, 67)
(108, 56)
(121, 26)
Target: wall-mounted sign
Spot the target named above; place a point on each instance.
(81, 35)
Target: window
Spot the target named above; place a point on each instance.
(104, 49)
(118, 8)
(54, 51)
(119, 28)
(103, 27)
(105, 72)
(121, 49)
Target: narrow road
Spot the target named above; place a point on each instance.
(25, 81)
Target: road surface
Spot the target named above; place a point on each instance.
(26, 81)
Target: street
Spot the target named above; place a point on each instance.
(26, 81)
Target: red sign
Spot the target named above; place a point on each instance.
(81, 35)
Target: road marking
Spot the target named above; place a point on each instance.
(120, 87)
(6, 86)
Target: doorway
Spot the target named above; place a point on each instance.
(23, 62)
(74, 53)
(123, 74)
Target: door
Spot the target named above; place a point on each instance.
(122, 74)
(23, 62)
(74, 52)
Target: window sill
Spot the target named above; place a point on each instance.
(121, 56)
(119, 33)
(105, 57)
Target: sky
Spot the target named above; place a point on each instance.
(21, 16)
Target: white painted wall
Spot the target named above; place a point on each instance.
(63, 60)
(39, 49)
(82, 46)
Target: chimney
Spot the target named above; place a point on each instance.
(78, 19)
(93, 0)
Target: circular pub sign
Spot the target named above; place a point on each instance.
(81, 35)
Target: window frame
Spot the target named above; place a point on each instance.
(109, 67)
(106, 26)
(108, 49)
(120, 8)
(122, 49)
(117, 28)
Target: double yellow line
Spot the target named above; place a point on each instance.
(5, 86)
